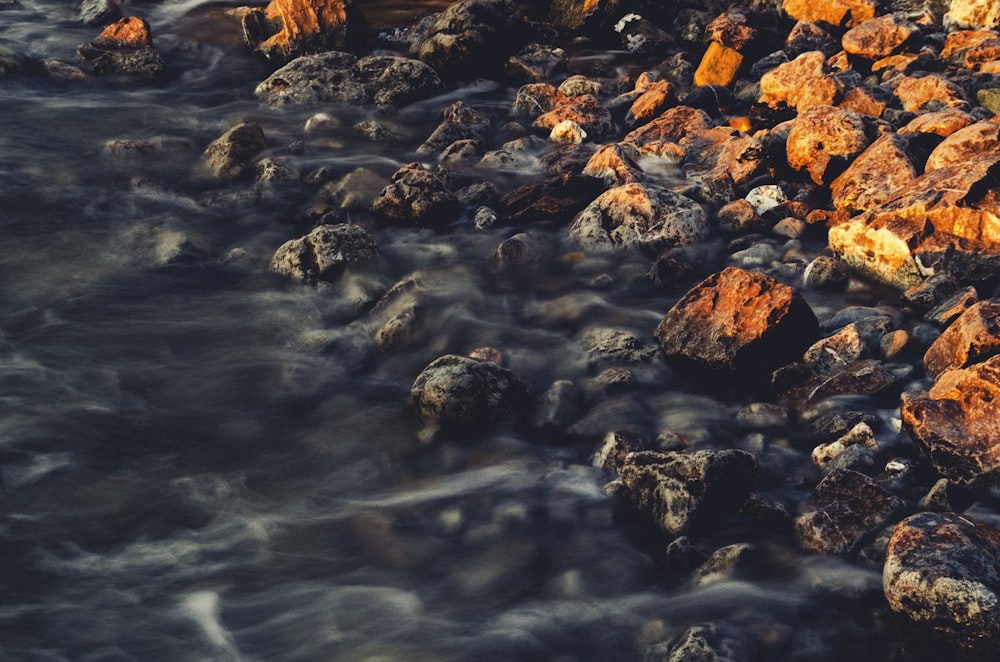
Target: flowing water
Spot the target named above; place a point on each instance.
(201, 461)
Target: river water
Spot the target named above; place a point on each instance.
(201, 461)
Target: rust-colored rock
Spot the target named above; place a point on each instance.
(865, 101)
(131, 32)
(558, 198)
(973, 337)
(731, 29)
(973, 14)
(800, 83)
(837, 13)
(913, 92)
(585, 110)
(942, 582)
(878, 37)
(654, 99)
(956, 424)
(124, 47)
(663, 134)
(286, 28)
(876, 175)
(722, 151)
(823, 140)
(615, 165)
(965, 145)
(718, 66)
(847, 508)
(940, 122)
(958, 44)
(737, 321)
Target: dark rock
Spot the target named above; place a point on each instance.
(418, 197)
(99, 12)
(737, 322)
(231, 155)
(585, 110)
(474, 38)
(557, 408)
(973, 337)
(456, 395)
(322, 254)
(557, 198)
(847, 507)
(942, 582)
(125, 47)
(534, 64)
(685, 492)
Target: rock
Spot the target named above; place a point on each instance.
(579, 85)
(322, 254)
(687, 492)
(956, 423)
(231, 156)
(845, 346)
(970, 339)
(535, 63)
(972, 14)
(801, 83)
(336, 77)
(722, 154)
(932, 90)
(725, 563)
(835, 13)
(557, 198)
(99, 12)
(824, 140)
(804, 37)
(737, 322)
(877, 174)
(879, 37)
(602, 344)
(568, 132)
(124, 47)
(943, 222)
(534, 99)
(418, 197)
(615, 164)
(965, 144)
(455, 395)
(639, 216)
(952, 306)
(704, 642)
(474, 38)
(640, 36)
(860, 435)
(943, 585)
(847, 507)
(718, 66)
(662, 135)
(558, 408)
(651, 101)
(765, 198)
(585, 110)
(573, 14)
(285, 29)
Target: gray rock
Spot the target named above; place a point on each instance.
(473, 38)
(417, 196)
(231, 155)
(457, 395)
(99, 12)
(322, 254)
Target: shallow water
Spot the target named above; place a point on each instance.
(200, 461)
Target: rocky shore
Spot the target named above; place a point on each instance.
(756, 167)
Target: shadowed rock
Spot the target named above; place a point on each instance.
(124, 47)
(322, 254)
(474, 37)
(417, 196)
(230, 156)
(942, 582)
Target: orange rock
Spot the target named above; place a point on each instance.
(863, 101)
(958, 43)
(718, 66)
(572, 13)
(941, 122)
(305, 25)
(823, 140)
(904, 62)
(982, 53)
(615, 165)
(972, 14)
(990, 67)
(654, 98)
(965, 144)
(585, 110)
(973, 337)
(131, 32)
(800, 83)
(719, 150)
(875, 176)
(837, 13)
(913, 92)
(662, 136)
(878, 37)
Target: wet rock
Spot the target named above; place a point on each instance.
(972, 14)
(231, 156)
(940, 223)
(876, 175)
(515, 154)
(518, 251)
(652, 100)
(843, 347)
(534, 99)
(684, 492)
(616, 345)
(640, 216)
(973, 337)
(322, 254)
(615, 164)
(568, 132)
(865, 377)
(640, 36)
(835, 13)
(738, 322)
(585, 110)
(99, 12)
(725, 563)
(722, 155)
(956, 423)
(942, 583)
(846, 508)
(125, 47)
(418, 197)
(472, 38)
(801, 83)
(535, 63)
(949, 309)
(285, 29)
(456, 394)
(558, 408)
(573, 14)
(931, 90)
(824, 140)
(557, 198)
(965, 144)
(356, 191)
(337, 77)
(708, 641)
(825, 273)
(862, 435)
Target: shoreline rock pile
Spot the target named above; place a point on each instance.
(737, 136)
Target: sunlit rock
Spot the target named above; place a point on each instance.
(124, 47)
(288, 28)
(801, 83)
(878, 174)
(585, 110)
(965, 144)
(973, 337)
(878, 37)
(824, 140)
(835, 13)
(943, 585)
(972, 14)
(914, 92)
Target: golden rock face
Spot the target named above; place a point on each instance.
(303, 25)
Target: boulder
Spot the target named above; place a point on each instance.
(125, 47)
(416, 196)
(474, 38)
(965, 144)
(585, 110)
(879, 37)
(800, 83)
(824, 140)
(973, 337)
(846, 509)
(322, 254)
(639, 216)
(285, 29)
(915, 92)
(835, 13)
(974, 14)
(737, 322)
(231, 155)
(337, 77)
(688, 491)
(455, 395)
(945, 221)
(942, 582)
(956, 423)
(877, 174)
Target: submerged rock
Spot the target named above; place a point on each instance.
(322, 254)
(942, 582)
(457, 394)
(231, 155)
(417, 196)
(125, 47)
